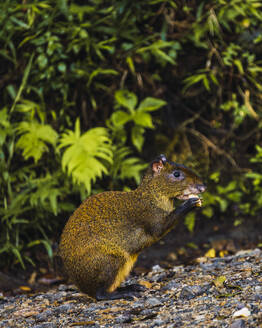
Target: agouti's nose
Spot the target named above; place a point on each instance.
(201, 187)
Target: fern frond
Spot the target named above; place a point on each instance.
(34, 139)
(126, 166)
(85, 155)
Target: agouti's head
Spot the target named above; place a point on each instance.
(174, 180)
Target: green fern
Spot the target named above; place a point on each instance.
(84, 156)
(126, 166)
(46, 192)
(34, 139)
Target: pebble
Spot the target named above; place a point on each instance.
(244, 312)
(46, 325)
(63, 308)
(123, 318)
(44, 315)
(152, 301)
(238, 324)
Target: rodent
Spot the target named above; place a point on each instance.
(104, 236)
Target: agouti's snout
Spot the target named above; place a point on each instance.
(201, 187)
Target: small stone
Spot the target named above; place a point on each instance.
(63, 308)
(240, 323)
(244, 312)
(152, 301)
(172, 285)
(187, 293)
(44, 315)
(123, 318)
(158, 322)
(157, 268)
(240, 306)
(46, 325)
(62, 288)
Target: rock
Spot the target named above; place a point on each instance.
(44, 315)
(244, 312)
(240, 323)
(152, 301)
(187, 293)
(157, 268)
(46, 325)
(123, 318)
(172, 285)
(63, 308)
(158, 322)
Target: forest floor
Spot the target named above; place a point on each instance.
(200, 280)
(212, 292)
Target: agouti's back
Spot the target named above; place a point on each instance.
(102, 239)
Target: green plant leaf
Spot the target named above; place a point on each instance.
(34, 139)
(137, 137)
(151, 104)
(85, 154)
(120, 118)
(143, 119)
(190, 221)
(126, 99)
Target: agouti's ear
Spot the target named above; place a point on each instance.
(158, 164)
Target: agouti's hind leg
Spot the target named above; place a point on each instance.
(122, 267)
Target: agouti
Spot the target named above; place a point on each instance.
(103, 238)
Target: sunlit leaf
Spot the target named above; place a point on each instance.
(34, 139)
(126, 99)
(86, 155)
(151, 104)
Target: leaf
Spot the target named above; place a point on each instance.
(211, 253)
(137, 137)
(130, 64)
(100, 71)
(126, 99)
(120, 118)
(131, 168)
(190, 221)
(24, 81)
(151, 104)
(46, 193)
(18, 255)
(219, 281)
(34, 138)
(85, 154)
(45, 243)
(143, 119)
(238, 63)
(208, 211)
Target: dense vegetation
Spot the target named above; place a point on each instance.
(91, 91)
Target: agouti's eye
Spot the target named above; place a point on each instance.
(176, 174)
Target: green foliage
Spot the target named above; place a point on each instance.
(139, 116)
(34, 139)
(112, 65)
(84, 153)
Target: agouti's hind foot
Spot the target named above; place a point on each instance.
(132, 288)
(102, 295)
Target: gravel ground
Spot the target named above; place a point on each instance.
(218, 292)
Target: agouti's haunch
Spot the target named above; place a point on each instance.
(103, 238)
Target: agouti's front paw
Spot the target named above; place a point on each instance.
(193, 202)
